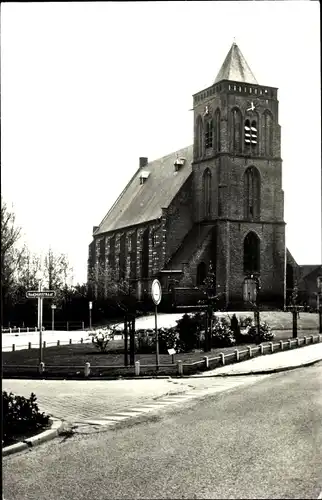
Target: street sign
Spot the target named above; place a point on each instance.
(171, 352)
(156, 292)
(44, 294)
(90, 305)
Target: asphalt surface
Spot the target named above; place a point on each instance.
(262, 440)
(87, 400)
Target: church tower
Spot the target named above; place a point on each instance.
(237, 179)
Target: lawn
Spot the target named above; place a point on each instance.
(69, 360)
(277, 320)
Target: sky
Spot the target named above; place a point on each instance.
(88, 88)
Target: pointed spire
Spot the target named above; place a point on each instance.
(235, 67)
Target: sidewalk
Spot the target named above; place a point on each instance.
(270, 363)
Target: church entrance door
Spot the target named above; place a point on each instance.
(249, 290)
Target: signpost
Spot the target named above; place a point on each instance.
(90, 306)
(156, 293)
(40, 295)
(53, 307)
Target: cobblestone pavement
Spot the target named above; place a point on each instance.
(106, 402)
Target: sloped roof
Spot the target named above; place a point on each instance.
(308, 269)
(140, 203)
(235, 68)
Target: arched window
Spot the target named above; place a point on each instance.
(217, 131)
(250, 136)
(209, 131)
(289, 277)
(112, 253)
(252, 193)
(207, 193)
(122, 258)
(236, 124)
(145, 254)
(201, 273)
(133, 256)
(199, 137)
(268, 133)
(251, 253)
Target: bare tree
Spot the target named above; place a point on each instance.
(11, 255)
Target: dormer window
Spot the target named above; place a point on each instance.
(179, 163)
(143, 177)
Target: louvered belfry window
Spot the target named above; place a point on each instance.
(250, 133)
(209, 135)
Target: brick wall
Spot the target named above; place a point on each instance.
(179, 218)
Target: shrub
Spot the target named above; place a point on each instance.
(265, 333)
(101, 338)
(189, 328)
(222, 334)
(20, 416)
(168, 339)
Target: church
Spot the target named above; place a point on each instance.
(218, 202)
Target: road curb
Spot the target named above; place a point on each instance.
(47, 435)
(259, 372)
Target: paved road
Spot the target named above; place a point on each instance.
(262, 440)
(82, 401)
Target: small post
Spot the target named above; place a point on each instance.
(312, 338)
(137, 368)
(272, 346)
(83, 326)
(35, 328)
(41, 367)
(249, 351)
(29, 345)
(44, 344)
(27, 329)
(262, 348)
(13, 347)
(305, 340)
(18, 329)
(298, 342)
(237, 354)
(70, 341)
(222, 355)
(206, 360)
(281, 345)
(67, 326)
(320, 338)
(87, 369)
(82, 340)
(180, 367)
(10, 329)
(289, 343)
(294, 312)
(58, 343)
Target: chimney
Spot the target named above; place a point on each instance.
(143, 161)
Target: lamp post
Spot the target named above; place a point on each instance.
(53, 307)
(256, 310)
(90, 306)
(294, 311)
